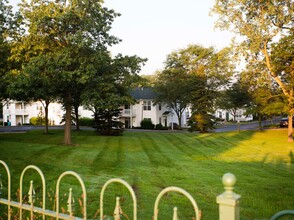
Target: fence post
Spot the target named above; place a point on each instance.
(229, 201)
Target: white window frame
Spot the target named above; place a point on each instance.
(147, 105)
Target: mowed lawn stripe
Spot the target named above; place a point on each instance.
(151, 161)
(153, 150)
(181, 144)
(107, 156)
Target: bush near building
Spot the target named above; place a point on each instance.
(86, 122)
(147, 124)
(37, 121)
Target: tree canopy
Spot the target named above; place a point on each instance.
(9, 27)
(192, 76)
(109, 89)
(173, 89)
(260, 25)
(234, 98)
(63, 50)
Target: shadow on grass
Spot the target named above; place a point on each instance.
(150, 162)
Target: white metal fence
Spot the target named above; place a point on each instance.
(228, 201)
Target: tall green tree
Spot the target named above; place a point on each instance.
(260, 24)
(266, 97)
(173, 89)
(192, 76)
(109, 89)
(235, 97)
(68, 36)
(282, 57)
(9, 26)
(34, 83)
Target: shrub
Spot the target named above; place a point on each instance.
(37, 121)
(86, 122)
(201, 122)
(174, 126)
(147, 124)
(158, 127)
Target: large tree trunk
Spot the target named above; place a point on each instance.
(290, 128)
(179, 115)
(282, 85)
(67, 128)
(46, 107)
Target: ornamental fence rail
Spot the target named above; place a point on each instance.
(228, 201)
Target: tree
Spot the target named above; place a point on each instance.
(266, 98)
(266, 102)
(192, 76)
(109, 89)
(260, 24)
(149, 80)
(34, 83)
(68, 36)
(234, 98)
(107, 123)
(203, 97)
(9, 24)
(173, 89)
(282, 57)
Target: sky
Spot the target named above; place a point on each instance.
(153, 29)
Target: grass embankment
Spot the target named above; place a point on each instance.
(263, 163)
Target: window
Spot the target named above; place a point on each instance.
(220, 114)
(127, 106)
(159, 107)
(147, 105)
(239, 114)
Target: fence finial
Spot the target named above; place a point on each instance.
(229, 201)
(70, 202)
(175, 216)
(117, 210)
(229, 180)
(31, 193)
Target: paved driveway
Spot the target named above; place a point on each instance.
(222, 128)
(245, 126)
(11, 129)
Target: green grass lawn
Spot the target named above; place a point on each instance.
(263, 163)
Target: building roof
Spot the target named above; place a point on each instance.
(143, 93)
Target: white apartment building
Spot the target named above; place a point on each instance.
(145, 108)
(19, 112)
(226, 115)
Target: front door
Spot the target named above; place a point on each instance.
(165, 121)
(127, 123)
